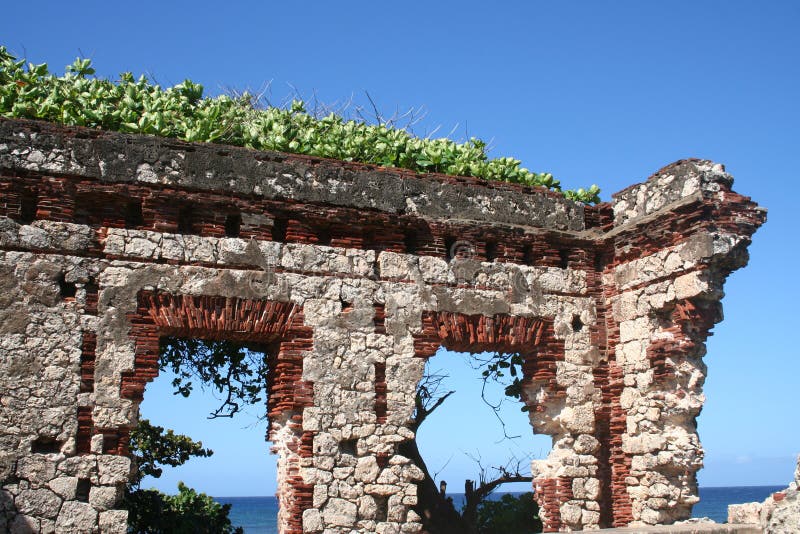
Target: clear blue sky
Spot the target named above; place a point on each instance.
(599, 92)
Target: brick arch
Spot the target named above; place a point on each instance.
(278, 324)
(534, 339)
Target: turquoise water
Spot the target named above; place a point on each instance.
(258, 515)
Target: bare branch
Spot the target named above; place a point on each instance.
(436, 474)
(374, 108)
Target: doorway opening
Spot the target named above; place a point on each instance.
(257, 327)
(204, 417)
(475, 445)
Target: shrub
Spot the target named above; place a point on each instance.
(509, 515)
(78, 98)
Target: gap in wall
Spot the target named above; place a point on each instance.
(241, 465)
(464, 425)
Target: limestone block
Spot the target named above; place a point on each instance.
(38, 469)
(38, 503)
(689, 285)
(105, 497)
(744, 513)
(367, 508)
(312, 520)
(367, 469)
(586, 444)
(434, 270)
(387, 528)
(396, 511)
(412, 473)
(65, 487)
(340, 513)
(381, 489)
(396, 266)
(411, 527)
(78, 517)
(113, 469)
(578, 419)
(79, 466)
(643, 443)
(320, 495)
(571, 514)
(114, 522)
(590, 518)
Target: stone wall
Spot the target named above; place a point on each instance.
(778, 514)
(354, 276)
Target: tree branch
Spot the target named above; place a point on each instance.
(422, 413)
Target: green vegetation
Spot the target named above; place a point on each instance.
(78, 98)
(235, 371)
(153, 512)
(187, 512)
(509, 515)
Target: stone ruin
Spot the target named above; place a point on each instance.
(353, 275)
(778, 514)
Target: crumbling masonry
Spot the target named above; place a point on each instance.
(354, 275)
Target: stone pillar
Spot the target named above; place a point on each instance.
(675, 239)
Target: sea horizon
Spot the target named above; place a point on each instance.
(258, 514)
(512, 492)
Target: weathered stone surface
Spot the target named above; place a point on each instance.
(38, 503)
(745, 513)
(785, 516)
(113, 522)
(356, 275)
(312, 521)
(105, 497)
(113, 157)
(340, 513)
(778, 514)
(77, 517)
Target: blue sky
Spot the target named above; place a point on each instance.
(602, 92)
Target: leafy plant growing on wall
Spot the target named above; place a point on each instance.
(135, 105)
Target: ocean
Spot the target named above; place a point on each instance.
(258, 515)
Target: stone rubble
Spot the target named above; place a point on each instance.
(778, 514)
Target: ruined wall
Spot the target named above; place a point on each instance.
(354, 275)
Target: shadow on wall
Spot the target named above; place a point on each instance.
(7, 509)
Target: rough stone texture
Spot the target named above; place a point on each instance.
(699, 528)
(778, 514)
(749, 512)
(354, 276)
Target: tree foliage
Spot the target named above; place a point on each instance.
(151, 446)
(187, 512)
(511, 514)
(153, 512)
(136, 105)
(236, 371)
